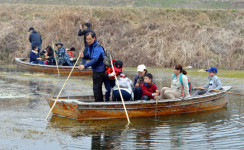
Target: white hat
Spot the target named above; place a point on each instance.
(67, 49)
(141, 68)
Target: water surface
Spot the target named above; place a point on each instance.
(23, 109)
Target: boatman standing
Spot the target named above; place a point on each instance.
(35, 38)
(95, 53)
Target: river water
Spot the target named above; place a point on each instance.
(23, 109)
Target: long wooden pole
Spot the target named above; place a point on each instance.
(219, 91)
(62, 88)
(55, 58)
(156, 109)
(121, 96)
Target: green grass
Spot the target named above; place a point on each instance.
(221, 73)
(213, 4)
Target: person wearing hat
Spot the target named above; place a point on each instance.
(84, 29)
(63, 56)
(138, 81)
(35, 38)
(109, 77)
(213, 83)
(71, 52)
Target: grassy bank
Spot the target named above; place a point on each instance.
(209, 4)
(153, 36)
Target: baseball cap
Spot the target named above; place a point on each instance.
(141, 68)
(212, 69)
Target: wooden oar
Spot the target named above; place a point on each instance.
(55, 57)
(121, 96)
(156, 109)
(62, 87)
(218, 91)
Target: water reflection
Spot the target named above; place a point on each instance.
(145, 131)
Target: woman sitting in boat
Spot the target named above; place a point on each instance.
(125, 85)
(63, 56)
(48, 56)
(34, 56)
(177, 89)
(138, 81)
(149, 89)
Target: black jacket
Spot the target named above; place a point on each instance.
(35, 39)
(84, 32)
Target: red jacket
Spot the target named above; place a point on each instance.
(110, 70)
(149, 90)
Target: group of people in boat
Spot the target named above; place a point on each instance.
(143, 87)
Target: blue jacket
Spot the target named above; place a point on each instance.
(213, 83)
(64, 57)
(96, 55)
(35, 39)
(33, 56)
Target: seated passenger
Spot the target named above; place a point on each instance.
(213, 83)
(48, 56)
(179, 85)
(34, 56)
(125, 85)
(71, 53)
(149, 89)
(63, 56)
(138, 81)
(109, 77)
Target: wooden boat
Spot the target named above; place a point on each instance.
(24, 64)
(83, 107)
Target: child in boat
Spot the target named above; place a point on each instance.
(125, 85)
(213, 83)
(72, 55)
(179, 84)
(138, 81)
(63, 56)
(109, 77)
(149, 89)
(34, 56)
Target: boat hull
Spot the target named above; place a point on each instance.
(107, 110)
(50, 69)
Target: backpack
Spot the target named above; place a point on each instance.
(189, 83)
(107, 54)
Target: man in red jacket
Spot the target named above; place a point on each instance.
(149, 89)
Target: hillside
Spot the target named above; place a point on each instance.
(153, 36)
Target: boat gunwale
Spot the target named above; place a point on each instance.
(20, 61)
(78, 102)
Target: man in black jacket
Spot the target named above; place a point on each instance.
(35, 38)
(84, 29)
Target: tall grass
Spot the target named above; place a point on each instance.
(155, 37)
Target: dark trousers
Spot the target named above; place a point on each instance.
(97, 86)
(125, 94)
(200, 92)
(109, 84)
(138, 93)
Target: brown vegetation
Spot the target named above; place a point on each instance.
(153, 36)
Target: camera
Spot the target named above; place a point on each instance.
(43, 52)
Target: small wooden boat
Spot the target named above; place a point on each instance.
(24, 64)
(84, 107)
